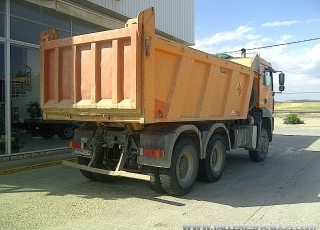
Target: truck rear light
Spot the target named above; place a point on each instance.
(158, 153)
(75, 144)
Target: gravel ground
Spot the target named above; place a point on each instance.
(282, 190)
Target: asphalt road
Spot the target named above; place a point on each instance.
(284, 189)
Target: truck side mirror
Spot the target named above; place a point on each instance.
(281, 88)
(281, 78)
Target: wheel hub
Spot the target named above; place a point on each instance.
(216, 160)
(182, 167)
(213, 158)
(264, 145)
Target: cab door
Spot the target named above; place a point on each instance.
(266, 99)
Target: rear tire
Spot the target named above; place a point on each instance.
(211, 168)
(156, 184)
(87, 174)
(103, 177)
(66, 133)
(46, 132)
(180, 178)
(261, 153)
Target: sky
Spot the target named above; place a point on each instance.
(223, 26)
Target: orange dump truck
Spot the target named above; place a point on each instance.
(154, 109)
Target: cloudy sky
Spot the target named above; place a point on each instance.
(222, 26)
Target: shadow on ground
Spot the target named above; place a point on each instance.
(287, 176)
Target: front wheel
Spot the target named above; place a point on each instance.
(261, 153)
(180, 178)
(211, 168)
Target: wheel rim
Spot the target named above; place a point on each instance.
(264, 145)
(216, 158)
(185, 167)
(68, 132)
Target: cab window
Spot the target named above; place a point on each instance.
(268, 79)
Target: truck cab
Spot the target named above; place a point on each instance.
(264, 84)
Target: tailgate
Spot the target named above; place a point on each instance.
(92, 77)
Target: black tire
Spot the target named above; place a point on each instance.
(211, 168)
(180, 178)
(46, 132)
(261, 153)
(87, 174)
(103, 177)
(156, 184)
(253, 98)
(66, 133)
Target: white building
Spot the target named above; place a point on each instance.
(21, 23)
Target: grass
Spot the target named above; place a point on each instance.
(298, 106)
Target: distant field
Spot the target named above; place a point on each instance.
(298, 106)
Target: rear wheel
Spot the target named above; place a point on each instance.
(105, 178)
(87, 174)
(66, 133)
(156, 184)
(261, 153)
(181, 176)
(211, 168)
(100, 164)
(46, 132)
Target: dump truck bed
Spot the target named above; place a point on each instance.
(131, 75)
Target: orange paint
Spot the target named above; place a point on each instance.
(131, 75)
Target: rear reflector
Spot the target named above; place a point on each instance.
(158, 153)
(75, 144)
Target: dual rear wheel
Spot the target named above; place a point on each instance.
(212, 166)
(180, 178)
(185, 168)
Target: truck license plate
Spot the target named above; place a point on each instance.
(82, 152)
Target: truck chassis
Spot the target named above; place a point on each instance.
(170, 156)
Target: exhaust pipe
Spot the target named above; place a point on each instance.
(243, 53)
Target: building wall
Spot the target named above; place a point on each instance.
(22, 21)
(174, 17)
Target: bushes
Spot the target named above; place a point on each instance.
(292, 119)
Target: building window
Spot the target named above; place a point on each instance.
(83, 27)
(20, 30)
(2, 9)
(27, 22)
(1, 60)
(1, 74)
(2, 97)
(25, 88)
(25, 15)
